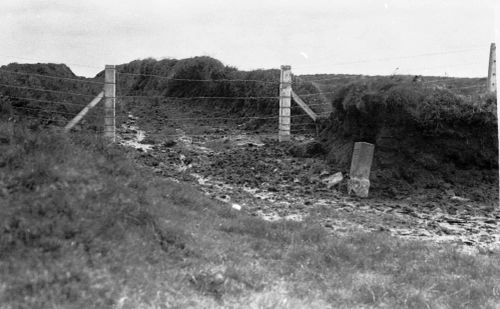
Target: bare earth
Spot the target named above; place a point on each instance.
(260, 177)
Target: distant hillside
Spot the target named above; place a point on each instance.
(333, 82)
(218, 80)
(255, 92)
(18, 84)
(185, 78)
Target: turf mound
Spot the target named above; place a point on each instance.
(425, 137)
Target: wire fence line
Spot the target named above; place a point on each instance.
(200, 80)
(124, 98)
(193, 98)
(229, 118)
(47, 90)
(176, 98)
(44, 110)
(199, 98)
(44, 101)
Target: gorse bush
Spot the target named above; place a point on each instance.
(409, 121)
(217, 80)
(243, 93)
(428, 108)
(19, 97)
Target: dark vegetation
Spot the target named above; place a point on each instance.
(44, 107)
(256, 92)
(429, 132)
(425, 136)
(218, 80)
(81, 226)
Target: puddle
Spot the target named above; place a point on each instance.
(132, 136)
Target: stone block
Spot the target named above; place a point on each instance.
(362, 158)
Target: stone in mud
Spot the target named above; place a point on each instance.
(358, 187)
(449, 192)
(147, 141)
(169, 143)
(459, 199)
(333, 180)
(307, 149)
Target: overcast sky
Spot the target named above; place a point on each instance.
(428, 37)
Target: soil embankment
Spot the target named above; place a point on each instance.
(426, 138)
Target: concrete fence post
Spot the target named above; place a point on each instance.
(492, 70)
(285, 103)
(109, 102)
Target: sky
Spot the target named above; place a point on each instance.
(371, 37)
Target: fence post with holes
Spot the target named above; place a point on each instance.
(109, 102)
(285, 103)
(492, 69)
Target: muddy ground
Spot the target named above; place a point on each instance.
(258, 175)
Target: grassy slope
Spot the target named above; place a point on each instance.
(82, 227)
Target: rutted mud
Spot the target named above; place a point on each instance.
(260, 177)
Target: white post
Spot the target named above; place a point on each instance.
(109, 101)
(492, 69)
(285, 103)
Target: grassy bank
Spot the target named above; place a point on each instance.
(81, 226)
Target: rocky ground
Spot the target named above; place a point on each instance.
(258, 175)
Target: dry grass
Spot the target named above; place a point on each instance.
(82, 227)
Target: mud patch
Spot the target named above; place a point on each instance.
(263, 179)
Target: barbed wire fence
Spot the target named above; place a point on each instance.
(56, 106)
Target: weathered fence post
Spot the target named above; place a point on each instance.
(362, 157)
(492, 70)
(109, 101)
(285, 103)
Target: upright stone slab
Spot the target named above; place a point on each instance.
(362, 157)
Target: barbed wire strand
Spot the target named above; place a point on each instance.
(45, 101)
(36, 117)
(202, 98)
(47, 90)
(44, 110)
(199, 80)
(52, 111)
